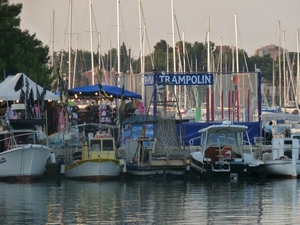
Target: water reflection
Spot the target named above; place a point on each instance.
(137, 202)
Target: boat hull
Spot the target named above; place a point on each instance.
(281, 168)
(27, 162)
(93, 169)
(228, 170)
(155, 172)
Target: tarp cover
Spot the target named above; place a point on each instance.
(191, 130)
(107, 91)
(7, 88)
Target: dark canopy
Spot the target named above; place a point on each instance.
(108, 91)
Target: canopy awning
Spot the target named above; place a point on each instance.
(106, 91)
(10, 88)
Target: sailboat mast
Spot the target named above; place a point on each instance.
(208, 110)
(118, 39)
(273, 84)
(184, 71)
(279, 63)
(99, 52)
(91, 37)
(75, 59)
(221, 55)
(168, 70)
(221, 67)
(52, 50)
(173, 39)
(298, 69)
(141, 36)
(236, 45)
(284, 72)
(142, 58)
(110, 65)
(99, 59)
(208, 45)
(232, 56)
(70, 45)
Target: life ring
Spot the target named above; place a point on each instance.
(226, 152)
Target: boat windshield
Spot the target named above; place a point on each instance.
(233, 139)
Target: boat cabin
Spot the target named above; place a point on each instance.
(222, 142)
(100, 147)
(10, 140)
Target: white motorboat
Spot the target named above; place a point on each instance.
(281, 156)
(280, 163)
(22, 158)
(221, 154)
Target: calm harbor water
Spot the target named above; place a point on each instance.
(63, 201)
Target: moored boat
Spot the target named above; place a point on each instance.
(97, 160)
(153, 150)
(221, 154)
(281, 153)
(23, 156)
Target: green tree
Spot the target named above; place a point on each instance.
(160, 55)
(20, 51)
(198, 53)
(264, 63)
(110, 59)
(124, 59)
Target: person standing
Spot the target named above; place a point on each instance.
(268, 131)
(268, 127)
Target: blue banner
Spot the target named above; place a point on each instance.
(180, 79)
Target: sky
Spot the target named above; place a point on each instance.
(257, 23)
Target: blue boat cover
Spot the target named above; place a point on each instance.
(115, 92)
(191, 129)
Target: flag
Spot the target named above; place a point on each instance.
(38, 96)
(20, 83)
(43, 93)
(22, 97)
(31, 99)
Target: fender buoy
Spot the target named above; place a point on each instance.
(52, 158)
(227, 152)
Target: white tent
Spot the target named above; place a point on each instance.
(7, 88)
